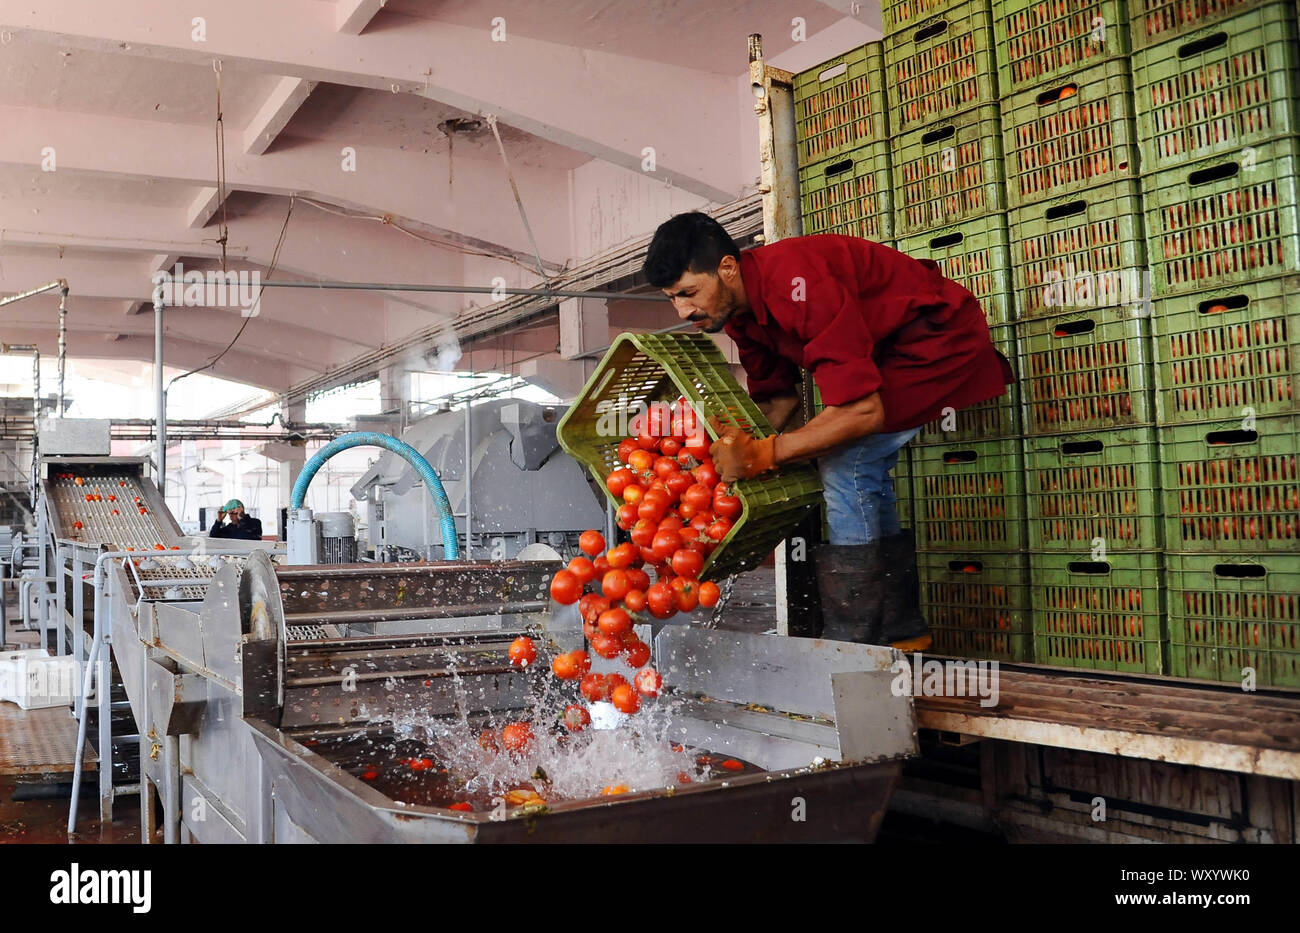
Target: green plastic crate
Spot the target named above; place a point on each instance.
(840, 104)
(1159, 21)
(1102, 615)
(900, 14)
(1076, 133)
(1232, 487)
(1040, 41)
(948, 172)
(1085, 372)
(977, 605)
(969, 496)
(903, 487)
(1094, 492)
(976, 255)
(1225, 220)
(1219, 88)
(940, 67)
(995, 419)
(1220, 353)
(642, 368)
(1079, 251)
(1227, 614)
(849, 194)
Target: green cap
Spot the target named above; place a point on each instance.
(232, 505)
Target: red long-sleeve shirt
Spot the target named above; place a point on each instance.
(862, 317)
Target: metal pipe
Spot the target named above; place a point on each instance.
(160, 392)
(63, 342)
(47, 287)
(469, 485)
(466, 290)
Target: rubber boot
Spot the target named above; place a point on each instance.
(902, 624)
(849, 580)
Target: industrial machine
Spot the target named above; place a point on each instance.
(294, 703)
(521, 488)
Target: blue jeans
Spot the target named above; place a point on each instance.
(860, 503)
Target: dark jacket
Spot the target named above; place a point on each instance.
(250, 529)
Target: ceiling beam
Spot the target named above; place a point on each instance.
(275, 113)
(200, 210)
(352, 16)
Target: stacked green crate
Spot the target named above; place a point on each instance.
(1069, 140)
(1217, 85)
(950, 208)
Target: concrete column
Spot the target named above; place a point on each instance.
(291, 459)
(584, 329)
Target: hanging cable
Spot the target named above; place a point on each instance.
(220, 132)
(541, 269)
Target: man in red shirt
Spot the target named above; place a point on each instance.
(889, 342)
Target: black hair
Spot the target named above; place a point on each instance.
(692, 242)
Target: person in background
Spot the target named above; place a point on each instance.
(242, 525)
(891, 343)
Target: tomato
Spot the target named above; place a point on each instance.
(672, 522)
(651, 509)
(709, 594)
(687, 511)
(661, 600)
(566, 588)
(614, 622)
(697, 443)
(638, 579)
(700, 523)
(583, 569)
(665, 467)
(522, 651)
(687, 461)
(688, 564)
(462, 805)
(606, 645)
(625, 699)
(641, 460)
(685, 593)
(732, 764)
(487, 740)
(638, 655)
(698, 496)
(576, 718)
(665, 544)
(647, 441)
(595, 687)
(727, 506)
(647, 555)
(648, 682)
(626, 516)
(622, 556)
(369, 775)
(616, 482)
(421, 764)
(516, 736)
(671, 446)
(706, 474)
(625, 449)
(589, 629)
(592, 543)
(633, 493)
(582, 660)
(592, 605)
(720, 528)
(677, 484)
(565, 666)
(643, 532)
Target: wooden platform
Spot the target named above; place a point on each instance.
(40, 742)
(1207, 725)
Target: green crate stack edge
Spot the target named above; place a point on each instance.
(1217, 115)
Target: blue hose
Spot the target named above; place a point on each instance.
(450, 544)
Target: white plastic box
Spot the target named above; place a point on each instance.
(34, 680)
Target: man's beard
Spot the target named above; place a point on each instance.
(726, 309)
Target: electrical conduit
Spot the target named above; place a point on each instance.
(450, 544)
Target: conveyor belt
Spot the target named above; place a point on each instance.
(1210, 725)
(109, 510)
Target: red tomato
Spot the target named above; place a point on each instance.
(638, 655)
(421, 764)
(607, 646)
(661, 600)
(638, 579)
(672, 522)
(643, 532)
(622, 556)
(687, 461)
(706, 474)
(565, 666)
(709, 594)
(592, 543)
(688, 563)
(614, 622)
(626, 516)
(651, 510)
(589, 629)
(666, 466)
(698, 496)
(720, 528)
(697, 443)
(614, 585)
(625, 699)
(522, 651)
(576, 718)
(727, 506)
(592, 605)
(647, 441)
(616, 482)
(369, 775)
(566, 588)
(641, 460)
(687, 511)
(462, 805)
(595, 687)
(671, 446)
(633, 493)
(516, 736)
(582, 660)
(625, 449)
(647, 555)
(583, 569)
(635, 600)
(677, 484)
(648, 682)
(665, 544)
(601, 564)
(700, 523)
(685, 593)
